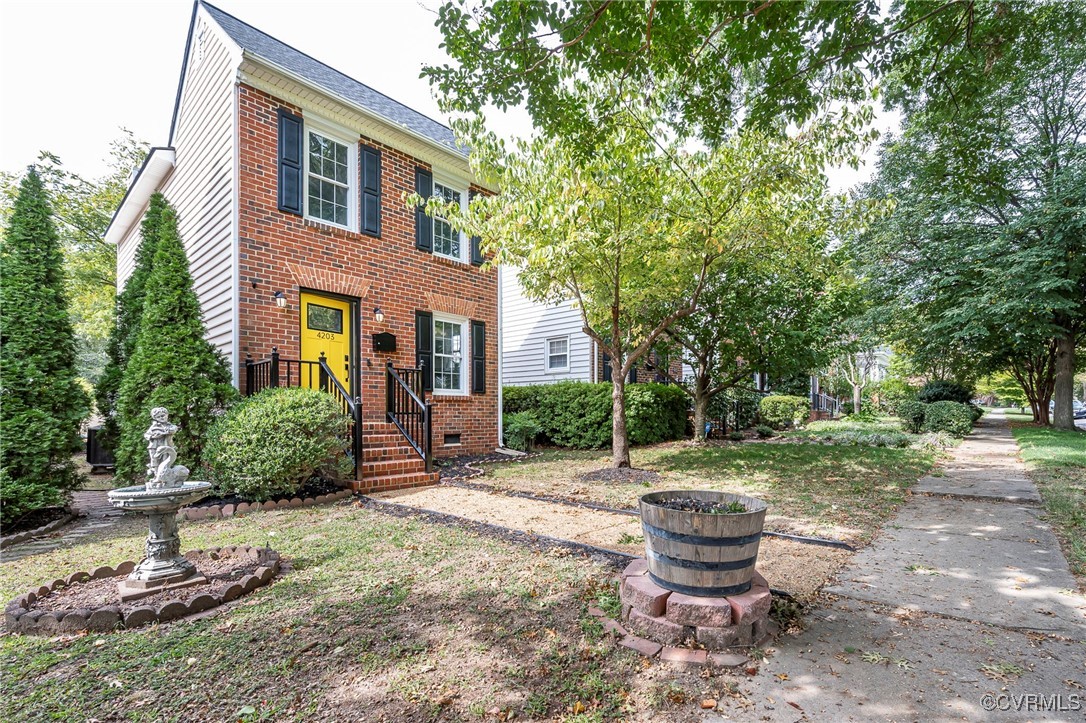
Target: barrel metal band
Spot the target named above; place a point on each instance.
(700, 565)
(702, 591)
(700, 539)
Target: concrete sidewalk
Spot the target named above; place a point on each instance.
(965, 594)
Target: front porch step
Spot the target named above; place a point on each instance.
(387, 483)
(380, 454)
(392, 466)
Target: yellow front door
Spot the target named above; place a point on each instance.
(326, 327)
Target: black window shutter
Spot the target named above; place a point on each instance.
(424, 227)
(476, 243)
(291, 145)
(633, 374)
(478, 357)
(606, 367)
(424, 348)
(371, 191)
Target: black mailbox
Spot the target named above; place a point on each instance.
(384, 342)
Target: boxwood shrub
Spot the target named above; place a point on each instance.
(950, 417)
(578, 414)
(912, 416)
(270, 444)
(781, 410)
(944, 390)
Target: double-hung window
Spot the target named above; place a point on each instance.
(331, 177)
(448, 242)
(450, 345)
(557, 354)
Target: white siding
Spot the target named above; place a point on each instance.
(126, 255)
(201, 186)
(526, 325)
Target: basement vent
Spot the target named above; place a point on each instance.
(452, 440)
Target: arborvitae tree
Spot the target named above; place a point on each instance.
(41, 402)
(122, 340)
(173, 365)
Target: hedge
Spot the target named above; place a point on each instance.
(578, 414)
(780, 410)
(944, 390)
(951, 417)
(912, 416)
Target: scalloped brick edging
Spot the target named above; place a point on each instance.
(231, 510)
(18, 618)
(45, 529)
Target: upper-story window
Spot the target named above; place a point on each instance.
(330, 179)
(558, 354)
(448, 242)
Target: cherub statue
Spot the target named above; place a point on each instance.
(160, 470)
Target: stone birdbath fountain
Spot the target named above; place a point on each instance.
(167, 490)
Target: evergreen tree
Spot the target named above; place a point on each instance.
(122, 339)
(42, 401)
(172, 364)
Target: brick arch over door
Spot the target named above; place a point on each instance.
(327, 280)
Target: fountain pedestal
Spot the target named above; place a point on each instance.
(163, 568)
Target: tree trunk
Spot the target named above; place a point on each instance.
(1064, 383)
(620, 442)
(857, 397)
(701, 407)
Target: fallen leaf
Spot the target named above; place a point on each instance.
(795, 705)
(708, 704)
(782, 676)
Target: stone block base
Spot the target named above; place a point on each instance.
(135, 589)
(716, 623)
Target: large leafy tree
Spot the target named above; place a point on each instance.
(173, 365)
(988, 242)
(126, 328)
(631, 232)
(43, 403)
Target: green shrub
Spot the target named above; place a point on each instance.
(943, 390)
(736, 408)
(781, 410)
(934, 441)
(864, 415)
(893, 392)
(736, 436)
(520, 430)
(764, 431)
(977, 411)
(578, 414)
(23, 496)
(270, 444)
(857, 438)
(912, 416)
(950, 417)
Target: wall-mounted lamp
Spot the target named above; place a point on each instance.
(378, 314)
(280, 299)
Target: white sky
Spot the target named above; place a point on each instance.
(72, 73)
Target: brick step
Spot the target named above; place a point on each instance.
(392, 466)
(372, 439)
(376, 454)
(390, 482)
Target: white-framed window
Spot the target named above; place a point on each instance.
(451, 360)
(556, 350)
(449, 242)
(331, 175)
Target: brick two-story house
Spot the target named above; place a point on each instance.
(288, 178)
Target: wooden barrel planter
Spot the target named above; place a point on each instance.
(702, 553)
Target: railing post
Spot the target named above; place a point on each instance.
(273, 373)
(429, 438)
(248, 375)
(390, 405)
(322, 375)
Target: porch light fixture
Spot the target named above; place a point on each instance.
(280, 299)
(378, 314)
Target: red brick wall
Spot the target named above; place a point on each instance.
(282, 252)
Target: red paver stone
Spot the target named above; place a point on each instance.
(720, 638)
(751, 605)
(758, 581)
(644, 595)
(713, 612)
(728, 660)
(645, 647)
(640, 566)
(746, 633)
(140, 616)
(659, 629)
(596, 612)
(610, 626)
(683, 655)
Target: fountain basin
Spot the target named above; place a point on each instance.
(140, 499)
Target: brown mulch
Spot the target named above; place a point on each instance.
(220, 573)
(623, 474)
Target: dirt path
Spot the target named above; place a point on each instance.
(963, 602)
(95, 514)
(797, 568)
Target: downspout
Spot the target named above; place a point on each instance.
(235, 239)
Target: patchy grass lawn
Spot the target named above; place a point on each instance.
(1056, 460)
(380, 619)
(835, 491)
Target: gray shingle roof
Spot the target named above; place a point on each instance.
(331, 80)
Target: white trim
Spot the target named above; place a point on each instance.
(501, 424)
(235, 240)
(341, 136)
(547, 368)
(155, 169)
(465, 353)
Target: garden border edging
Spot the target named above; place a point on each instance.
(231, 510)
(18, 618)
(69, 515)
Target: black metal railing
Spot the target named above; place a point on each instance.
(275, 371)
(407, 410)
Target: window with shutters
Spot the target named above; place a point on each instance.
(448, 242)
(557, 354)
(331, 178)
(450, 349)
